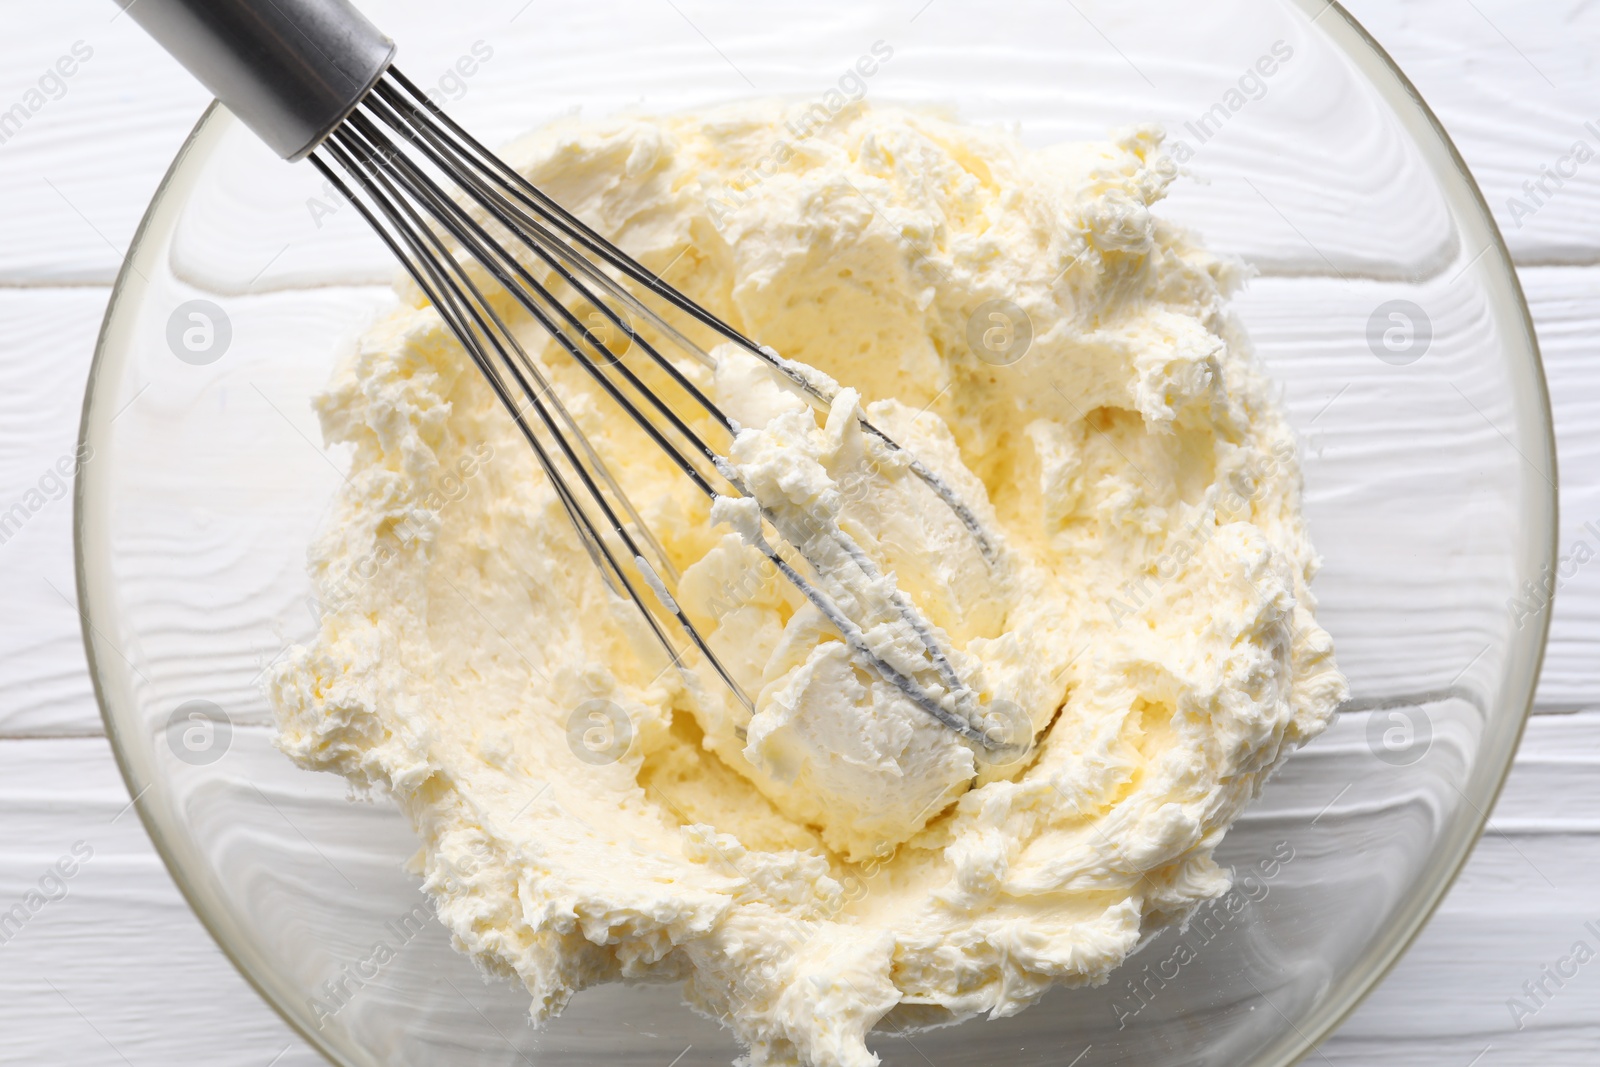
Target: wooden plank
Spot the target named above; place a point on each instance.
(1430, 442)
(117, 970)
(77, 175)
(1513, 83)
(1400, 459)
(1522, 902)
(126, 952)
(1521, 106)
(44, 685)
(79, 172)
(1566, 311)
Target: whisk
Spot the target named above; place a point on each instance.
(315, 78)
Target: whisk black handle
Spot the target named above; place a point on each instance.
(290, 69)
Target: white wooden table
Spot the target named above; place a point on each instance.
(117, 970)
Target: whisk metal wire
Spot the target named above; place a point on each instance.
(394, 149)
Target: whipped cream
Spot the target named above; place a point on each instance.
(838, 859)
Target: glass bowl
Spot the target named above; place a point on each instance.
(1385, 305)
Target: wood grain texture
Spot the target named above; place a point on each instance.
(1514, 83)
(77, 176)
(117, 970)
(1566, 311)
(1521, 903)
(120, 972)
(44, 685)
